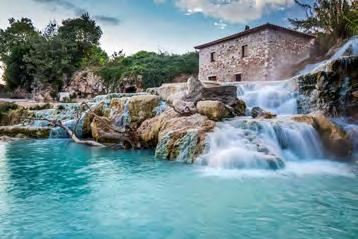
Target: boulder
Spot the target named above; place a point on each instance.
(183, 138)
(139, 107)
(213, 109)
(175, 137)
(335, 140)
(258, 112)
(184, 108)
(99, 110)
(148, 131)
(104, 131)
(84, 84)
(43, 93)
(332, 91)
(239, 107)
(197, 91)
(169, 92)
(25, 132)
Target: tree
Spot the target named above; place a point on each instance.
(155, 68)
(13, 47)
(326, 16)
(49, 61)
(84, 32)
(329, 20)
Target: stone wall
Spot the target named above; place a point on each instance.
(270, 53)
(285, 51)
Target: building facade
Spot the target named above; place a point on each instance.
(267, 52)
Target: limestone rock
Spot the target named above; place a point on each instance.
(12, 114)
(197, 91)
(88, 118)
(148, 131)
(334, 139)
(43, 93)
(239, 107)
(257, 112)
(184, 107)
(332, 91)
(25, 132)
(84, 84)
(183, 138)
(213, 109)
(169, 92)
(104, 131)
(140, 107)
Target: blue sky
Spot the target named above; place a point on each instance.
(167, 25)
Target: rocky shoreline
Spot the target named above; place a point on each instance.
(175, 119)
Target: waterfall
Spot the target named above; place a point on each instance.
(67, 113)
(260, 144)
(279, 97)
(350, 48)
(123, 119)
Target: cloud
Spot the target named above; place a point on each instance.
(79, 11)
(220, 24)
(106, 19)
(233, 11)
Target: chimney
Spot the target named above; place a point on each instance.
(247, 27)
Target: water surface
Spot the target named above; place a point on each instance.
(58, 189)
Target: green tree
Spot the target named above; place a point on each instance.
(155, 68)
(49, 61)
(13, 47)
(84, 32)
(329, 20)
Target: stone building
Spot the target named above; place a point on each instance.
(266, 52)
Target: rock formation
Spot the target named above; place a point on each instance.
(85, 84)
(332, 91)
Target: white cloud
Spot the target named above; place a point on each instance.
(220, 24)
(233, 11)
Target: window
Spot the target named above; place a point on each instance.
(212, 78)
(238, 77)
(244, 51)
(212, 56)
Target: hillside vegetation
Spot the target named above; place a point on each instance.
(38, 59)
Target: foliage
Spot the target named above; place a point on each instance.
(50, 61)
(13, 47)
(35, 59)
(331, 21)
(352, 19)
(32, 58)
(5, 108)
(155, 68)
(94, 56)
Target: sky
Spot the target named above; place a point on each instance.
(175, 26)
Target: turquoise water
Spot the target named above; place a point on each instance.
(57, 189)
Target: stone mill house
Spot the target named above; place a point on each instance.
(266, 52)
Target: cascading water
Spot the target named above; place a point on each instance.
(247, 143)
(260, 144)
(122, 119)
(350, 48)
(279, 97)
(67, 113)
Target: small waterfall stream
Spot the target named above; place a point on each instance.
(279, 97)
(247, 143)
(261, 144)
